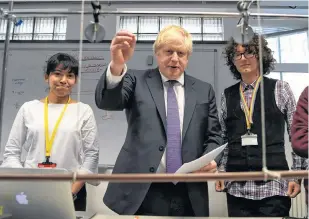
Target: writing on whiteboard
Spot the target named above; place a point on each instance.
(106, 115)
(18, 81)
(88, 57)
(18, 92)
(17, 105)
(93, 68)
(17, 86)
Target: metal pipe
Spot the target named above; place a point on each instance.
(286, 32)
(138, 178)
(4, 65)
(151, 13)
(264, 160)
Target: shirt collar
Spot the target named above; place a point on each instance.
(248, 86)
(180, 80)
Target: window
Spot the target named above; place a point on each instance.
(269, 30)
(297, 81)
(147, 28)
(291, 52)
(273, 43)
(36, 28)
(274, 75)
(294, 48)
(290, 48)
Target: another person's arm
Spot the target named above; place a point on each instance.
(90, 148)
(219, 186)
(288, 105)
(222, 117)
(299, 129)
(17, 137)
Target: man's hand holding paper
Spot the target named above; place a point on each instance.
(209, 168)
(205, 163)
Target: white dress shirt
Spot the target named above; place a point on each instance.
(112, 81)
(75, 147)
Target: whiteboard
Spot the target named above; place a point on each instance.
(25, 82)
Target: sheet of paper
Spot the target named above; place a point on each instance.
(200, 162)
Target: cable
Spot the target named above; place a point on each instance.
(263, 133)
(80, 58)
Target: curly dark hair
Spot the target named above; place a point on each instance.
(252, 46)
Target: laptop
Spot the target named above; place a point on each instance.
(37, 199)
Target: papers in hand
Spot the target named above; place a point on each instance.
(200, 162)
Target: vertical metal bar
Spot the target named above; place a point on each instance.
(202, 27)
(216, 87)
(262, 95)
(4, 66)
(54, 26)
(13, 32)
(33, 28)
(279, 55)
(137, 30)
(279, 49)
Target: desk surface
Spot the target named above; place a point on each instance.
(100, 216)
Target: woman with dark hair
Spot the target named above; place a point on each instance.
(56, 131)
(240, 119)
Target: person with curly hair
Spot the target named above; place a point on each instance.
(240, 118)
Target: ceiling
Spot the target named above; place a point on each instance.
(299, 7)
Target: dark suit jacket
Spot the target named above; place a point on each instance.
(140, 93)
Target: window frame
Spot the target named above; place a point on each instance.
(291, 68)
(277, 37)
(201, 34)
(33, 32)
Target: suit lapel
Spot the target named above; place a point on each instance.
(190, 102)
(155, 86)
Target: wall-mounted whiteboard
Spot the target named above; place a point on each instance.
(25, 82)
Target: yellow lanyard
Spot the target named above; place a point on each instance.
(49, 141)
(249, 111)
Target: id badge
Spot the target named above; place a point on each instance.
(41, 165)
(249, 139)
(47, 165)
